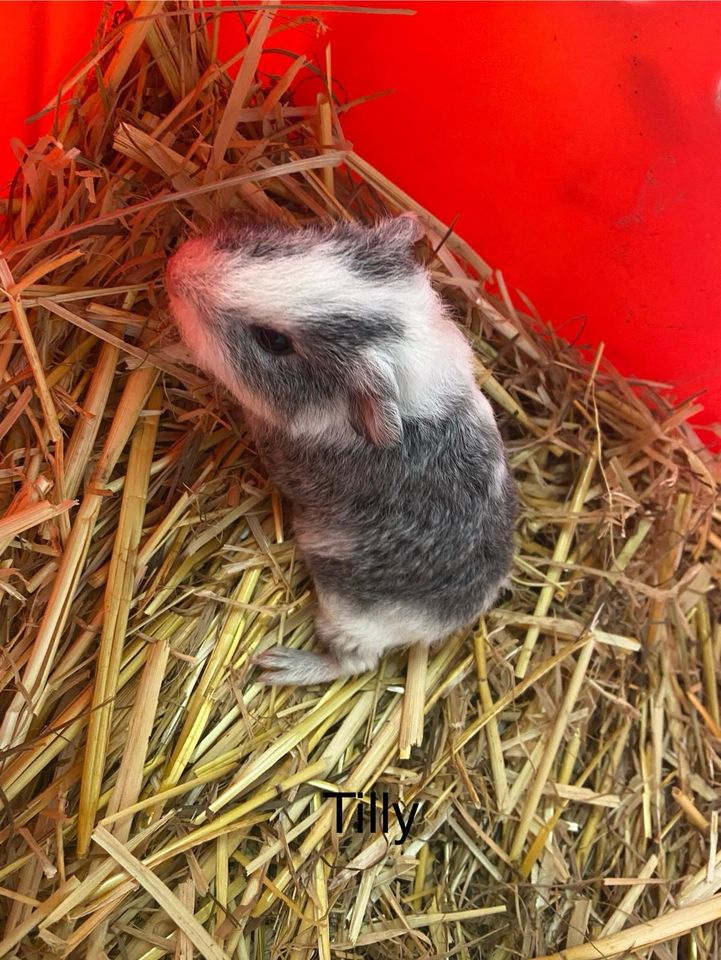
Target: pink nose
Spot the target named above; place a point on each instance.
(188, 264)
(170, 285)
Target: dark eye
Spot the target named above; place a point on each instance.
(272, 341)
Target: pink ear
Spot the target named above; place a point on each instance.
(373, 408)
(405, 229)
(412, 226)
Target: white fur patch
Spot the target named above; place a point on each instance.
(329, 423)
(377, 630)
(204, 349)
(285, 290)
(432, 364)
(322, 541)
(498, 480)
(484, 408)
(356, 642)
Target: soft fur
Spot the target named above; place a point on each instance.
(373, 426)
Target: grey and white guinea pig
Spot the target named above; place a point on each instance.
(360, 394)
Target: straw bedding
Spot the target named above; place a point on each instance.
(156, 800)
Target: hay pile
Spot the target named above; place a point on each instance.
(156, 801)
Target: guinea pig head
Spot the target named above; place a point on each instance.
(304, 323)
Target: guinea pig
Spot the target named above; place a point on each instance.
(360, 395)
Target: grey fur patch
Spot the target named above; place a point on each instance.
(429, 522)
(327, 350)
(370, 252)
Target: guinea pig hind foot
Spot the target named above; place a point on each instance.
(285, 665)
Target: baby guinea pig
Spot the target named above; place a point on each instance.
(360, 395)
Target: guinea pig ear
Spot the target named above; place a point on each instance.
(404, 230)
(373, 405)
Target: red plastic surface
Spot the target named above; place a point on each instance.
(579, 144)
(39, 44)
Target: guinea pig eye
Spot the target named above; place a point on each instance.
(272, 341)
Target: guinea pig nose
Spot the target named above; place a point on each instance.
(170, 284)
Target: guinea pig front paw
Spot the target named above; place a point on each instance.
(285, 665)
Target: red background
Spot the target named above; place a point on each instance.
(578, 143)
